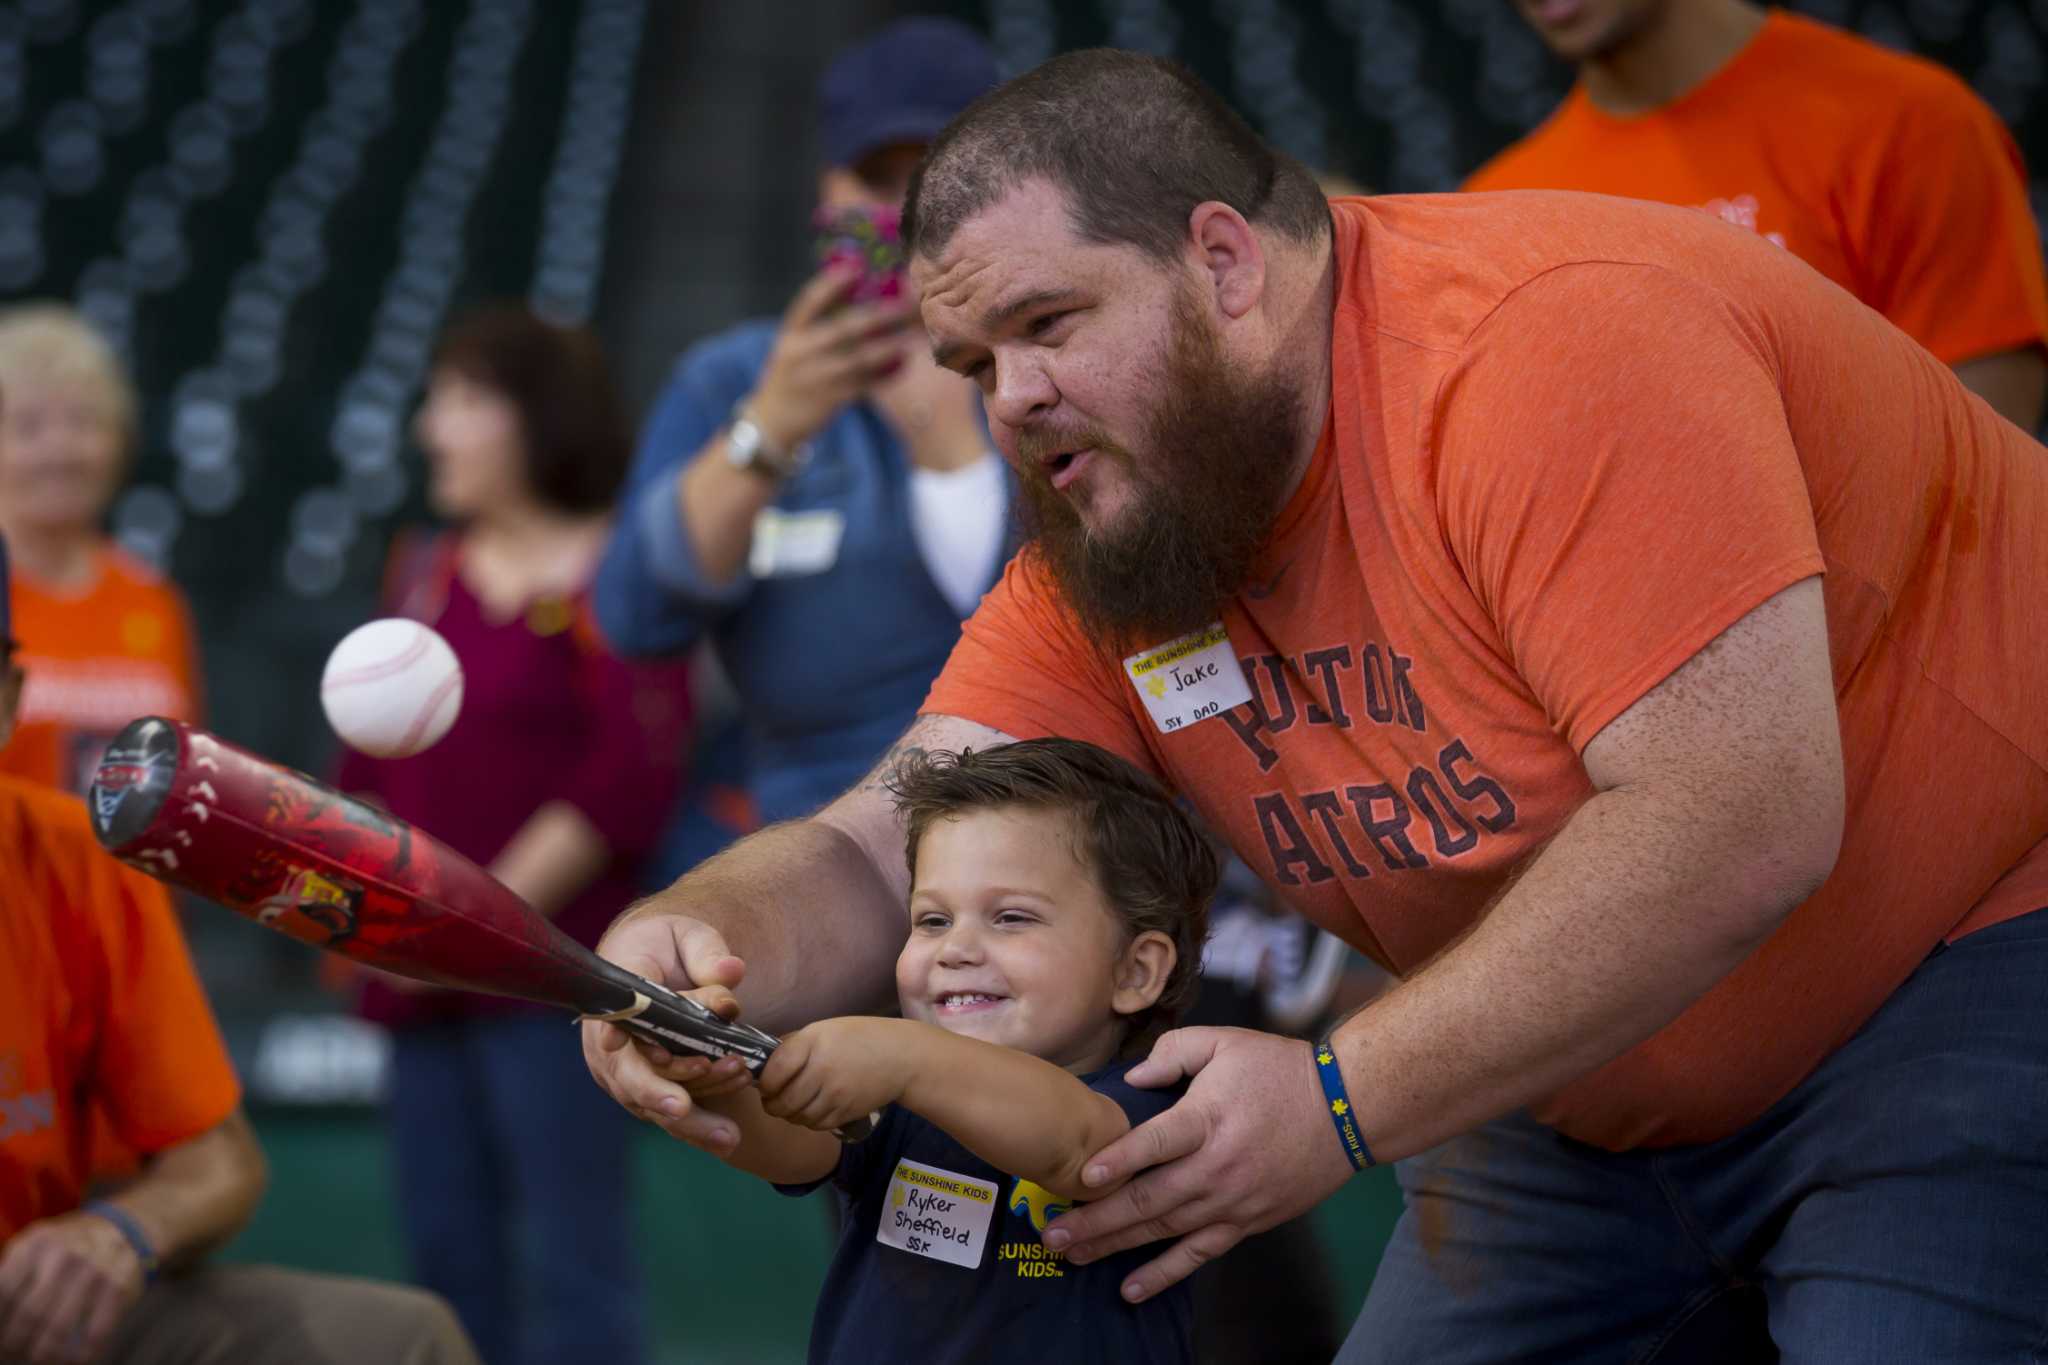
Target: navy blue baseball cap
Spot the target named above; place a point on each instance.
(904, 84)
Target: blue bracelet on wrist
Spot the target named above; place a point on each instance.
(1332, 1077)
(131, 1232)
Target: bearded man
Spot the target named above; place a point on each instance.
(1588, 611)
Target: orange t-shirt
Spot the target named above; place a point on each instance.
(1571, 440)
(95, 661)
(1883, 172)
(99, 1010)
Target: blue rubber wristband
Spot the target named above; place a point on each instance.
(1332, 1077)
(130, 1230)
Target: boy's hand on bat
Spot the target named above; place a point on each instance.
(706, 1078)
(835, 1071)
(684, 955)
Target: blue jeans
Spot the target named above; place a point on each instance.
(1893, 1208)
(513, 1180)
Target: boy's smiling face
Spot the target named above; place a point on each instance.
(1012, 940)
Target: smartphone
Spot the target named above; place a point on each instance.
(870, 237)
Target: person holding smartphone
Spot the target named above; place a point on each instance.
(811, 492)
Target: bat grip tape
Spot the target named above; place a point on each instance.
(632, 1011)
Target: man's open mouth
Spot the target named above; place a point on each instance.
(1067, 465)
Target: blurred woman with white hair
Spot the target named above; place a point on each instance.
(104, 638)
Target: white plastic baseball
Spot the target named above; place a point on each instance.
(391, 688)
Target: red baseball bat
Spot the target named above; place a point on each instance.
(297, 856)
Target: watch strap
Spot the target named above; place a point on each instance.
(131, 1232)
(748, 447)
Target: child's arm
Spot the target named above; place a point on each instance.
(1015, 1111)
(770, 1148)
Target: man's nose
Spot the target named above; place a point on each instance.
(1023, 392)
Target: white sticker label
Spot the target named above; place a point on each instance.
(792, 544)
(938, 1214)
(1189, 679)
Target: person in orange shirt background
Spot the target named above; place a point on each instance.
(101, 1013)
(103, 636)
(1883, 171)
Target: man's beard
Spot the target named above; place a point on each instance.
(1220, 449)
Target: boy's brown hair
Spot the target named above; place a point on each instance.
(1153, 865)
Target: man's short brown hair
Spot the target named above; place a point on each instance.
(1154, 867)
(1135, 141)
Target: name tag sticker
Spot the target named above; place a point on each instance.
(937, 1214)
(792, 544)
(1189, 679)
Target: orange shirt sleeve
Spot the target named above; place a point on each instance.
(1947, 243)
(161, 1073)
(1616, 476)
(1022, 666)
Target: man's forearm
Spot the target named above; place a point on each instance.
(718, 504)
(1019, 1113)
(1594, 949)
(195, 1196)
(805, 906)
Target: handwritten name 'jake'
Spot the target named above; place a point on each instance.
(1184, 678)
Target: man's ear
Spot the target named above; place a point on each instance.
(1229, 256)
(1142, 972)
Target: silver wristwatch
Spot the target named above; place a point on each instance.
(747, 447)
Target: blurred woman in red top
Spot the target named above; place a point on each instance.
(557, 776)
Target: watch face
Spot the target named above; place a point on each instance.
(747, 448)
(743, 443)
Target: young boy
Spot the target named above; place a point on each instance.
(1057, 911)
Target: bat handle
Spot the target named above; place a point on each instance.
(682, 1025)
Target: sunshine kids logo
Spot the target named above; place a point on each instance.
(1037, 1203)
(1033, 1259)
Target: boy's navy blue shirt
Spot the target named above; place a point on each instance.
(1021, 1302)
